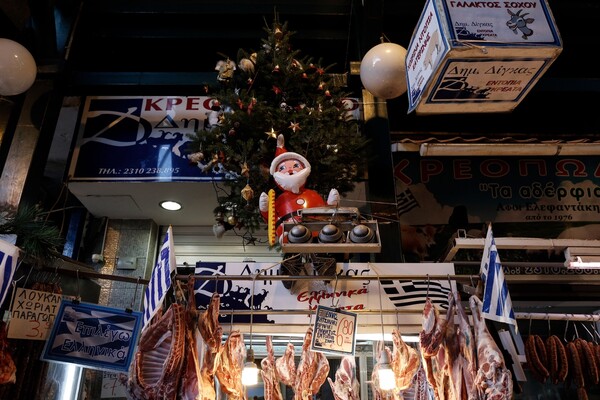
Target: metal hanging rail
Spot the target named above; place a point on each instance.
(559, 317)
(86, 272)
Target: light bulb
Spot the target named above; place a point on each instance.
(387, 381)
(250, 374)
(250, 371)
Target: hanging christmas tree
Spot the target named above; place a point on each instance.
(275, 90)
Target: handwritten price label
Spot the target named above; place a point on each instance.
(334, 331)
(32, 314)
(112, 386)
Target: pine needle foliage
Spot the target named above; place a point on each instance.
(38, 239)
(275, 90)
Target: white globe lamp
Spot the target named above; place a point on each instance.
(17, 68)
(383, 70)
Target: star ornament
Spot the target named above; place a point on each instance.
(295, 127)
(245, 169)
(272, 133)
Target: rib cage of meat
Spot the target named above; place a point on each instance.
(156, 369)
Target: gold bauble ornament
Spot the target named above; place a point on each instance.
(232, 220)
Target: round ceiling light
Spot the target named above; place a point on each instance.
(170, 205)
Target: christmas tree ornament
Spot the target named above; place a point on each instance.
(278, 33)
(247, 193)
(383, 70)
(232, 220)
(272, 133)
(17, 68)
(304, 75)
(327, 94)
(276, 70)
(225, 70)
(276, 90)
(295, 126)
(245, 170)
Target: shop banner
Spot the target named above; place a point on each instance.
(146, 138)
(141, 138)
(536, 197)
(401, 300)
(93, 336)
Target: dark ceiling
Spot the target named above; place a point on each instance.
(136, 47)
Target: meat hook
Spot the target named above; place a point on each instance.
(134, 294)
(334, 304)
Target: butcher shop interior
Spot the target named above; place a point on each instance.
(445, 246)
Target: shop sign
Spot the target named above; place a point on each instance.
(537, 197)
(467, 56)
(32, 314)
(334, 331)
(140, 138)
(346, 295)
(93, 336)
(145, 138)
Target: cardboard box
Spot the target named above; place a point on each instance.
(468, 56)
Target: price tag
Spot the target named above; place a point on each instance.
(334, 331)
(32, 314)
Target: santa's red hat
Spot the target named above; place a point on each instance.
(281, 154)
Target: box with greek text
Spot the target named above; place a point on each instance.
(467, 57)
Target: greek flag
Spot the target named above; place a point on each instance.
(8, 265)
(160, 281)
(497, 305)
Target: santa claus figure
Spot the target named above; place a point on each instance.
(290, 171)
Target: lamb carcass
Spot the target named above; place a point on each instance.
(493, 380)
(346, 386)
(272, 390)
(311, 372)
(405, 361)
(230, 362)
(156, 369)
(285, 366)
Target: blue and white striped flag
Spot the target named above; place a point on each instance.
(497, 305)
(160, 281)
(8, 265)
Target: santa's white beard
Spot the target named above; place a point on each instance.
(291, 183)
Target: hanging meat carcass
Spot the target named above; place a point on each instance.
(311, 372)
(346, 386)
(190, 387)
(433, 351)
(378, 393)
(8, 369)
(209, 345)
(493, 380)
(272, 390)
(230, 362)
(405, 361)
(156, 369)
(203, 340)
(285, 366)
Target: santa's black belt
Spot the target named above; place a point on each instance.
(287, 216)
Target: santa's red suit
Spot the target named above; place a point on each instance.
(290, 171)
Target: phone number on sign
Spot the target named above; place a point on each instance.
(137, 171)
